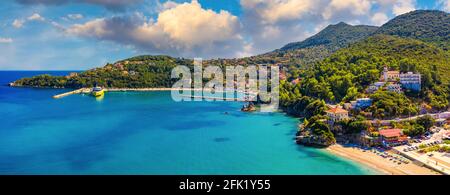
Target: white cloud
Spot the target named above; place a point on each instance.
(348, 7)
(75, 16)
(403, 6)
(36, 17)
(186, 30)
(6, 40)
(444, 5)
(273, 23)
(95, 28)
(57, 25)
(167, 5)
(272, 11)
(18, 23)
(379, 18)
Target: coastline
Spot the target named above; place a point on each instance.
(368, 159)
(149, 89)
(382, 165)
(89, 90)
(175, 89)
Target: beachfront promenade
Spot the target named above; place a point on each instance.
(436, 163)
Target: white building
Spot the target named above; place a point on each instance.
(336, 114)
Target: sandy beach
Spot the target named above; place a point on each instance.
(383, 165)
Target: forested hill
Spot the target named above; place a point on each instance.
(426, 25)
(348, 72)
(361, 64)
(425, 34)
(404, 54)
(334, 37)
(321, 45)
(135, 72)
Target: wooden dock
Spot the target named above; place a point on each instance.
(78, 91)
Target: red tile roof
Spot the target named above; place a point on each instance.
(391, 132)
(337, 110)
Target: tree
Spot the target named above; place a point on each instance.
(426, 122)
(352, 94)
(355, 125)
(390, 104)
(321, 129)
(340, 85)
(317, 107)
(416, 130)
(407, 65)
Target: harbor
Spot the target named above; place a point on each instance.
(78, 91)
(90, 90)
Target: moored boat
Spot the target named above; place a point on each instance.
(98, 91)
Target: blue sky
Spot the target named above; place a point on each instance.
(82, 34)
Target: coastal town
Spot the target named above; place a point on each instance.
(385, 139)
(382, 143)
(377, 95)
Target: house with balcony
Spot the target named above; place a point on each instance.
(336, 114)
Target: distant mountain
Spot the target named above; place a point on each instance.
(423, 37)
(334, 37)
(321, 45)
(426, 25)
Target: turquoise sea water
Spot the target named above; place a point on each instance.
(147, 133)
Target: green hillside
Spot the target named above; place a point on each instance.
(426, 25)
(136, 72)
(341, 76)
(321, 45)
(334, 37)
(346, 74)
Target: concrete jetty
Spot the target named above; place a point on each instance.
(78, 91)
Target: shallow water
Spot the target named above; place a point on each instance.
(148, 133)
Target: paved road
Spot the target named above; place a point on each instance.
(441, 115)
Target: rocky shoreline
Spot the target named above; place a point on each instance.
(313, 141)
